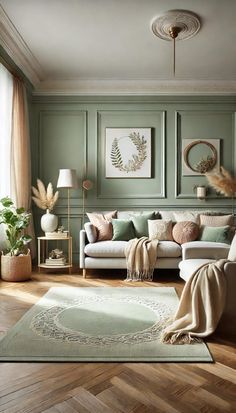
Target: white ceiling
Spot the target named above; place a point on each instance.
(106, 46)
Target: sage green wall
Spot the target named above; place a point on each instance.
(69, 132)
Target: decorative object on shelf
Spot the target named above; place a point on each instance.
(16, 260)
(56, 253)
(45, 199)
(201, 191)
(67, 179)
(57, 234)
(200, 156)
(128, 152)
(176, 25)
(86, 186)
(60, 229)
(56, 257)
(224, 183)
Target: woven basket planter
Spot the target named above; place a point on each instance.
(16, 268)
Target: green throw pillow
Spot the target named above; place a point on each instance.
(215, 234)
(141, 224)
(123, 230)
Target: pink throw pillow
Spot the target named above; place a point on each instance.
(103, 224)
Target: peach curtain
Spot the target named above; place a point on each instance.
(20, 154)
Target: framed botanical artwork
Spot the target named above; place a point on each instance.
(200, 156)
(128, 153)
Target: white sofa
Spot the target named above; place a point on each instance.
(111, 254)
(194, 256)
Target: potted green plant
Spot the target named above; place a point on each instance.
(15, 260)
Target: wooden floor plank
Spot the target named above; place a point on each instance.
(92, 403)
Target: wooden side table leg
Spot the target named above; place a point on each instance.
(39, 255)
(70, 254)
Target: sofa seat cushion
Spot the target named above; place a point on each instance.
(105, 249)
(116, 249)
(188, 267)
(205, 249)
(168, 249)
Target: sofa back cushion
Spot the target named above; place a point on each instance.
(215, 234)
(123, 230)
(184, 216)
(177, 216)
(140, 223)
(216, 220)
(160, 229)
(102, 222)
(232, 251)
(185, 231)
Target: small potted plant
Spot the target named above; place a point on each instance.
(16, 260)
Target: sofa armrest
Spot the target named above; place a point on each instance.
(204, 249)
(230, 272)
(82, 237)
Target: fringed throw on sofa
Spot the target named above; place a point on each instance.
(201, 305)
(141, 255)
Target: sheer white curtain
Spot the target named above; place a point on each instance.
(6, 95)
(15, 169)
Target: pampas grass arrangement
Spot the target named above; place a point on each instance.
(44, 198)
(224, 183)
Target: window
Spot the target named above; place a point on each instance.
(6, 94)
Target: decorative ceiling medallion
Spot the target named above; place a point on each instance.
(187, 22)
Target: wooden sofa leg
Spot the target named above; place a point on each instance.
(84, 273)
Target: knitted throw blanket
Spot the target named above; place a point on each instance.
(141, 255)
(201, 305)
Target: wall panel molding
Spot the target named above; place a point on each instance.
(70, 139)
(119, 118)
(227, 144)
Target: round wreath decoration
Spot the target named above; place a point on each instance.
(205, 164)
(136, 160)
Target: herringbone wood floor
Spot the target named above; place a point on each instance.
(111, 387)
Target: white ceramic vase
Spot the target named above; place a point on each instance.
(49, 222)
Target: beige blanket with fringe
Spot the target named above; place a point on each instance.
(201, 305)
(141, 255)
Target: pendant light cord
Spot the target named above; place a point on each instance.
(174, 59)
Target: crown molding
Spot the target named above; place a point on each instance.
(106, 87)
(18, 50)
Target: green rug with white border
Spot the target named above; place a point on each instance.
(99, 324)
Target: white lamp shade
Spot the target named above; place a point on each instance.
(67, 179)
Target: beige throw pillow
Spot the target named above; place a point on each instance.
(103, 224)
(216, 220)
(186, 216)
(160, 229)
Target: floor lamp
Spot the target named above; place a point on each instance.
(67, 179)
(86, 186)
